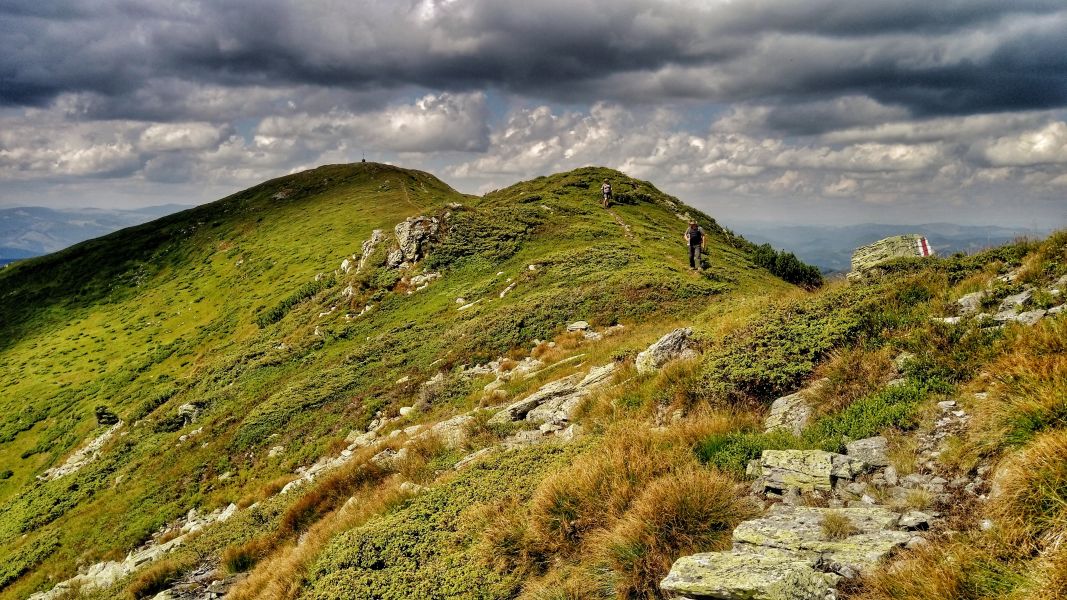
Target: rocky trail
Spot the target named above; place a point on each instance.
(830, 518)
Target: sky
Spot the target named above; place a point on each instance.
(813, 111)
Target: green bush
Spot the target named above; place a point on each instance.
(732, 451)
(787, 266)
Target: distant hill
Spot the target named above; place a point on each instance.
(830, 247)
(31, 231)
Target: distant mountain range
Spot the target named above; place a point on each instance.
(31, 231)
(830, 247)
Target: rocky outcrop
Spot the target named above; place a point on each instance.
(553, 402)
(107, 573)
(413, 235)
(866, 259)
(85, 455)
(800, 533)
(675, 345)
(369, 246)
(873, 451)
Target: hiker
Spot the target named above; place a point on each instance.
(606, 191)
(697, 240)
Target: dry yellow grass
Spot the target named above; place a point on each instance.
(280, 576)
(836, 526)
(691, 510)
(155, 578)
(1029, 503)
(599, 487)
(929, 573)
(853, 372)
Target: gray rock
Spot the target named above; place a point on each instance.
(414, 235)
(792, 412)
(369, 246)
(728, 576)
(806, 470)
(971, 303)
(675, 345)
(394, 259)
(189, 412)
(797, 532)
(915, 520)
(890, 475)
(1014, 302)
(873, 451)
(902, 360)
(554, 401)
(578, 326)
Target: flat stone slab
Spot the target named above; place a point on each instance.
(730, 576)
(807, 470)
(797, 533)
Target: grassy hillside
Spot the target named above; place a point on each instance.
(219, 307)
(239, 312)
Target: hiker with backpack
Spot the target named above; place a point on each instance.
(697, 240)
(605, 190)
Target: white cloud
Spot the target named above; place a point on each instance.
(1047, 145)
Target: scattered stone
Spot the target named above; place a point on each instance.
(797, 532)
(902, 360)
(971, 303)
(1014, 302)
(414, 235)
(275, 451)
(409, 487)
(578, 326)
(189, 412)
(675, 345)
(915, 520)
(82, 457)
(406, 410)
(873, 451)
(807, 470)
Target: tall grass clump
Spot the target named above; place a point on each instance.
(686, 511)
(1029, 498)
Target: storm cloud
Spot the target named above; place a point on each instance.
(809, 101)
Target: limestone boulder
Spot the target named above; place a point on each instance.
(729, 576)
(806, 470)
(414, 236)
(873, 451)
(793, 412)
(677, 344)
(798, 532)
(369, 246)
(971, 303)
(866, 259)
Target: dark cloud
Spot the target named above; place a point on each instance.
(949, 57)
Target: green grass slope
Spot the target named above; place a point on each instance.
(219, 307)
